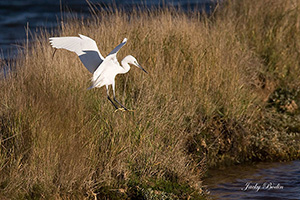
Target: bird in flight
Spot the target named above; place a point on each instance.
(104, 70)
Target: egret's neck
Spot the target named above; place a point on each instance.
(125, 65)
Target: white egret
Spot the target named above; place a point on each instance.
(104, 70)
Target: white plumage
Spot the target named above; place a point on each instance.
(104, 70)
(85, 47)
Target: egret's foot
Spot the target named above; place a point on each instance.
(120, 109)
(123, 110)
(95, 195)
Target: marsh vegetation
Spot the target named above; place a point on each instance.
(222, 89)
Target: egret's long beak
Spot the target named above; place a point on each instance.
(142, 68)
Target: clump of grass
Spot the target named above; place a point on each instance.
(271, 29)
(203, 103)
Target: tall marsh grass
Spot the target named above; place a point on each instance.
(205, 102)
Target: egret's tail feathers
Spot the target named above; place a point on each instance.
(96, 84)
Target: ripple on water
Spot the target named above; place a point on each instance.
(260, 181)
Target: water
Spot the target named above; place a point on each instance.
(276, 181)
(16, 15)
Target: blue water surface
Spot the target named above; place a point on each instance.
(262, 181)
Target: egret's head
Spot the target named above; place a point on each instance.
(131, 60)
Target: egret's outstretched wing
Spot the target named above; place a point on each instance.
(106, 67)
(117, 48)
(85, 47)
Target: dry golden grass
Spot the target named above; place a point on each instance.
(203, 102)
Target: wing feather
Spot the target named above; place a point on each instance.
(117, 48)
(85, 47)
(109, 61)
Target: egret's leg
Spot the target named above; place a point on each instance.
(120, 104)
(53, 53)
(107, 91)
(113, 88)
